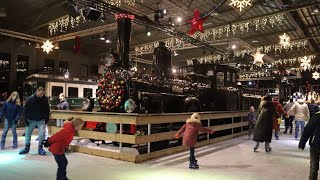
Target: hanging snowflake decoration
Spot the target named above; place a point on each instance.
(316, 75)
(47, 46)
(284, 40)
(241, 4)
(305, 62)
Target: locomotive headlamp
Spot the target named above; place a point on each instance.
(129, 106)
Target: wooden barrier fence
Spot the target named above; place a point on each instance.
(149, 120)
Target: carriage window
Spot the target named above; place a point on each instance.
(48, 65)
(220, 79)
(72, 92)
(56, 90)
(228, 76)
(87, 90)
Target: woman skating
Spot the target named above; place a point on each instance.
(12, 111)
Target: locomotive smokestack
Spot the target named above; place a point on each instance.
(124, 35)
(162, 61)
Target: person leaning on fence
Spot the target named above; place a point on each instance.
(11, 110)
(62, 105)
(190, 136)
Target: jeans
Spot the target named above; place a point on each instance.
(314, 163)
(192, 158)
(62, 166)
(288, 123)
(301, 123)
(7, 125)
(41, 127)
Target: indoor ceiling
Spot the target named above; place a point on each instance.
(301, 22)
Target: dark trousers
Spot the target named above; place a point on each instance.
(192, 158)
(314, 163)
(62, 166)
(288, 123)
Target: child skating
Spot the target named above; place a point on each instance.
(190, 136)
(58, 142)
(252, 119)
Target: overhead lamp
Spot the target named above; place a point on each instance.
(56, 46)
(250, 83)
(239, 84)
(179, 19)
(92, 14)
(148, 32)
(66, 74)
(174, 70)
(233, 46)
(38, 46)
(102, 37)
(315, 11)
(108, 41)
(254, 41)
(72, 9)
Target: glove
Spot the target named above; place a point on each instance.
(46, 143)
(177, 136)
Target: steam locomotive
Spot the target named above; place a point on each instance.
(200, 87)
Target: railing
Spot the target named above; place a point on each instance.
(225, 124)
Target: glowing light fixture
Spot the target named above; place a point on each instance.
(47, 46)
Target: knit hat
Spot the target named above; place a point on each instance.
(195, 118)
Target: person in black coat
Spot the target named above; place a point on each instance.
(312, 132)
(264, 125)
(313, 108)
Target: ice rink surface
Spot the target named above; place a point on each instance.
(228, 160)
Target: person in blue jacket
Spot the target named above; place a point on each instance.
(12, 111)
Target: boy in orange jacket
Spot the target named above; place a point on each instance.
(58, 143)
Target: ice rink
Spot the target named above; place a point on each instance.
(227, 160)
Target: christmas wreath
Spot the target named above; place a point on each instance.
(112, 89)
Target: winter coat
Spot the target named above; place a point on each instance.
(37, 109)
(278, 112)
(252, 118)
(191, 130)
(59, 141)
(301, 111)
(287, 107)
(313, 109)
(11, 111)
(263, 129)
(312, 132)
(63, 105)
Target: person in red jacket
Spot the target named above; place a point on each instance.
(58, 143)
(190, 136)
(279, 111)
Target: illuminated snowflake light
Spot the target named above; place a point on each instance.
(284, 40)
(241, 4)
(316, 75)
(305, 62)
(47, 46)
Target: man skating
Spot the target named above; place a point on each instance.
(37, 112)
